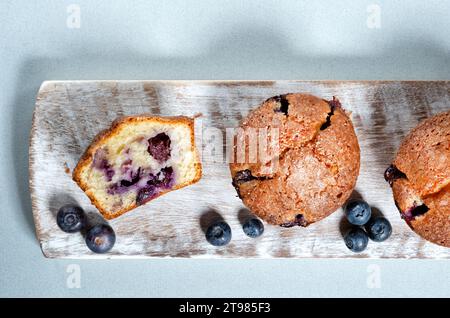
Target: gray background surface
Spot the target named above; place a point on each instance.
(204, 40)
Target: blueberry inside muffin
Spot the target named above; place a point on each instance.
(136, 160)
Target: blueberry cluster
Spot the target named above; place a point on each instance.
(219, 233)
(100, 238)
(359, 214)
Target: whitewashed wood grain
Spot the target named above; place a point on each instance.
(69, 114)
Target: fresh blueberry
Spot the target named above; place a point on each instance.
(379, 229)
(71, 218)
(358, 212)
(100, 238)
(356, 240)
(253, 228)
(218, 234)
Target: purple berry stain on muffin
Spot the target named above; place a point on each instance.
(159, 147)
(164, 178)
(334, 103)
(101, 163)
(299, 221)
(414, 211)
(146, 194)
(135, 178)
(392, 173)
(242, 177)
(283, 103)
(146, 184)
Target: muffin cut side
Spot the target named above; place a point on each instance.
(135, 161)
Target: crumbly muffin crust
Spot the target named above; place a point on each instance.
(318, 160)
(420, 179)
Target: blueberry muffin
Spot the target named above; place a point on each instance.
(136, 160)
(310, 165)
(420, 179)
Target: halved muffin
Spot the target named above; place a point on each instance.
(136, 160)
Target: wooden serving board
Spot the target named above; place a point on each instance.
(69, 114)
